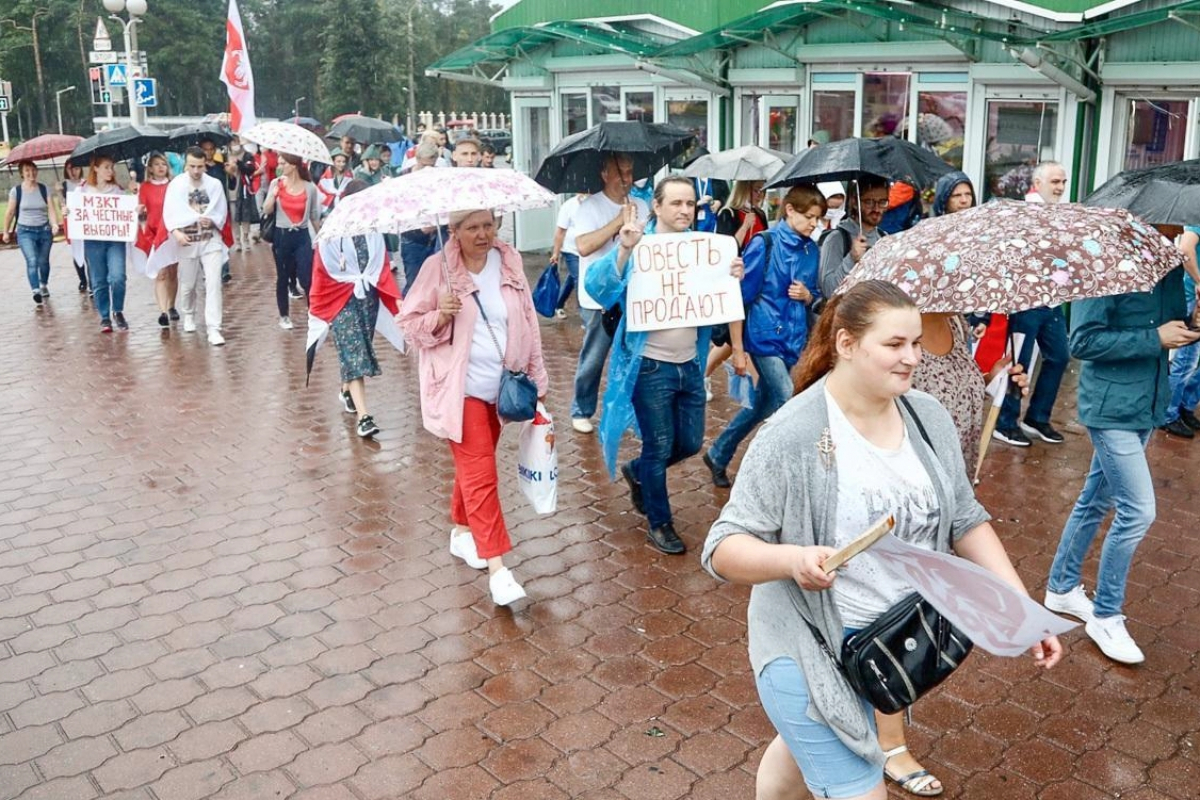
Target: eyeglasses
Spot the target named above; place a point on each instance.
(874, 203)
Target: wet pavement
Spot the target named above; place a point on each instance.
(209, 587)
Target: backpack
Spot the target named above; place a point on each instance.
(847, 242)
(45, 199)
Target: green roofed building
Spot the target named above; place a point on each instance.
(993, 86)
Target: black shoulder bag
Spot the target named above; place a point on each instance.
(517, 401)
(907, 651)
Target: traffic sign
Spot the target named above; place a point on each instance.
(145, 92)
(102, 57)
(116, 74)
(4, 104)
(100, 40)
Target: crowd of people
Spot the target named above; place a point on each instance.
(868, 404)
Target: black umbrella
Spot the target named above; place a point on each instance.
(366, 130)
(120, 144)
(575, 164)
(187, 135)
(855, 159)
(1165, 195)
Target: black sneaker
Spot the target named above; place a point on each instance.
(1189, 419)
(106, 325)
(122, 325)
(173, 314)
(226, 278)
(1042, 430)
(164, 321)
(294, 293)
(82, 285)
(1012, 436)
(1177, 427)
(665, 540)
(720, 477)
(367, 427)
(347, 402)
(635, 488)
(37, 300)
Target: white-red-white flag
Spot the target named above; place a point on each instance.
(236, 73)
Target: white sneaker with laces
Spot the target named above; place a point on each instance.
(560, 313)
(505, 589)
(462, 545)
(1114, 641)
(215, 338)
(1074, 603)
(582, 424)
(189, 323)
(286, 323)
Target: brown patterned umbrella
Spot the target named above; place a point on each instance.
(1009, 256)
(50, 145)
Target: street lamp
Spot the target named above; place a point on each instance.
(296, 107)
(58, 104)
(136, 8)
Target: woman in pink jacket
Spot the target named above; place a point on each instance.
(460, 368)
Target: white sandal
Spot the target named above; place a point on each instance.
(916, 783)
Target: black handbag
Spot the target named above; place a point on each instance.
(517, 400)
(907, 651)
(266, 227)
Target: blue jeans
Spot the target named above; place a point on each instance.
(1185, 377)
(106, 264)
(35, 246)
(1049, 329)
(829, 768)
(1120, 478)
(592, 355)
(774, 389)
(668, 401)
(568, 286)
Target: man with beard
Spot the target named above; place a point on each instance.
(194, 211)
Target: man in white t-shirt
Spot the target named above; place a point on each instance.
(598, 223)
(194, 211)
(565, 251)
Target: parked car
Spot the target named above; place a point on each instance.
(497, 138)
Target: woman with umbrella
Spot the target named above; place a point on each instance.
(151, 195)
(464, 348)
(293, 200)
(106, 260)
(37, 220)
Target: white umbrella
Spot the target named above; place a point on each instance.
(286, 137)
(749, 163)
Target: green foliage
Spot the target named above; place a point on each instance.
(341, 55)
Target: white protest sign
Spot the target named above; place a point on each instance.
(995, 616)
(103, 217)
(682, 280)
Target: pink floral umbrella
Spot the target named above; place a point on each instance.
(426, 197)
(286, 137)
(1009, 256)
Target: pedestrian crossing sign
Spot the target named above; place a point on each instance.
(145, 92)
(117, 74)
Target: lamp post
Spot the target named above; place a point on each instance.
(58, 104)
(296, 107)
(136, 8)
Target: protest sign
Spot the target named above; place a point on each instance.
(682, 280)
(995, 616)
(102, 217)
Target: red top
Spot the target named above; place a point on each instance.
(151, 195)
(756, 227)
(294, 205)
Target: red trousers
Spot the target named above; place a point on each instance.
(476, 500)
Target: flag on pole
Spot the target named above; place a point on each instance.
(236, 73)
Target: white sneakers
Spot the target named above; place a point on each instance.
(708, 395)
(1074, 603)
(189, 323)
(582, 424)
(215, 338)
(286, 323)
(505, 589)
(462, 545)
(1114, 641)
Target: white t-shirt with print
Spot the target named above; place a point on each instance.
(594, 213)
(872, 482)
(485, 366)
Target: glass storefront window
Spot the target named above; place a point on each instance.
(833, 115)
(1155, 133)
(884, 103)
(606, 104)
(941, 122)
(575, 113)
(639, 106)
(692, 115)
(781, 125)
(1020, 134)
(751, 105)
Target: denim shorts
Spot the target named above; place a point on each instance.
(830, 769)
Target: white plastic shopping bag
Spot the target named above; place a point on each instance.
(537, 462)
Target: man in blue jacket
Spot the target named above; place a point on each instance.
(1123, 395)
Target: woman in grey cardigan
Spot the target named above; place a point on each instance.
(834, 457)
(293, 200)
